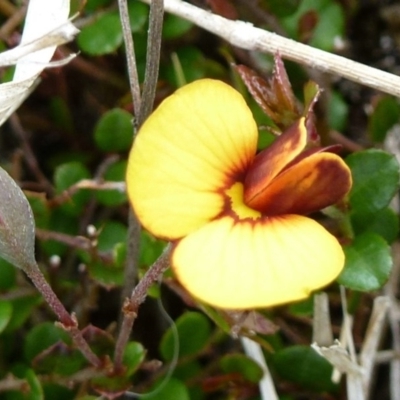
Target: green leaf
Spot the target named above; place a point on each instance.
(41, 337)
(193, 330)
(24, 305)
(330, 26)
(111, 233)
(107, 275)
(193, 65)
(138, 13)
(61, 114)
(6, 310)
(338, 111)
(282, 8)
(330, 23)
(112, 238)
(104, 36)
(133, 356)
(36, 390)
(174, 27)
(54, 391)
(375, 180)
(112, 197)
(119, 254)
(243, 365)
(61, 222)
(114, 131)
(368, 263)
(302, 365)
(67, 175)
(172, 390)
(150, 249)
(17, 226)
(92, 5)
(7, 275)
(385, 115)
(383, 222)
(187, 370)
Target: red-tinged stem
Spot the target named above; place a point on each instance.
(131, 305)
(67, 321)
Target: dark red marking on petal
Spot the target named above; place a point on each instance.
(272, 160)
(312, 184)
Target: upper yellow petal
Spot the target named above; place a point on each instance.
(245, 264)
(193, 145)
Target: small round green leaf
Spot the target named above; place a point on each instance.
(282, 8)
(36, 390)
(173, 389)
(24, 305)
(111, 233)
(114, 131)
(150, 249)
(302, 365)
(138, 13)
(17, 226)
(67, 175)
(92, 5)
(384, 222)
(338, 111)
(7, 275)
(133, 356)
(375, 180)
(330, 26)
(193, 334)
(368, 263)
(6, 310)
(41, 337)
(243, 365)
(104, 36)
(385, 115)
(175, 27)
(113, 197)
(192, 62)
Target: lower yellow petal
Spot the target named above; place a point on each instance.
(189, 150)
(245, 264)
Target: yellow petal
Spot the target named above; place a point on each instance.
(196, 143)
(245, 264)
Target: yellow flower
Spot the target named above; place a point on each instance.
(236, 218)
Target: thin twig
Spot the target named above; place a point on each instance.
(67, 321)
(134, 229)
(143, 109)
(12, 22)
(29, 155)
(245, 35)
(130, 55)
(131, 305)
(152, 59)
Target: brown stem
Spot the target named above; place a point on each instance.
(152, 59)
(130, 55)
(67, 321)
(29, 155)
(131, 306)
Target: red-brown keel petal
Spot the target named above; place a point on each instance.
(271, 161)
(310, 185)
